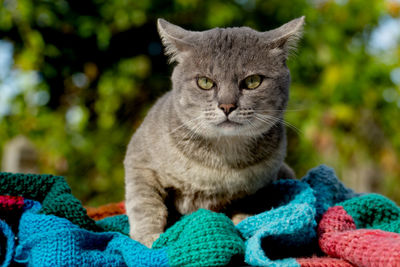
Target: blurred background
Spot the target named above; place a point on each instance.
(77, 78)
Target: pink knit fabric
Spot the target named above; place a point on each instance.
(323, 262)
(338, 237)
(10, 203)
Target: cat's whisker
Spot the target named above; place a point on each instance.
(276, 119)
(269, 123)
(186, 123)
(289, 110)
(185, 136)
(188, 137)
(253, 128)
(194, 135)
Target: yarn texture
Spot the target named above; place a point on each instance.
(10, 211)
(105, 211)
(275, 237)
(48, 240)
(187, 240)
(315, 221)
(340, 238)
(52, 191)
(374, 211)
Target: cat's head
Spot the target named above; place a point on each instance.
(231, 81)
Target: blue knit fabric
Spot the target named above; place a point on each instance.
(47, 240)
(327, 188)
(273, 238)
(8, 237)
(290, 227)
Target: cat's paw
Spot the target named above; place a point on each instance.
(237, 218)
(148, 239)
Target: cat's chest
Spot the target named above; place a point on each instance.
(185, 202)
(196, 179)
(195, 188)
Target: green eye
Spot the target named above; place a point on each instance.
(252, 82)
(205, 83)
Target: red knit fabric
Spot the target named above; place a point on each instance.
(11, 210)
(339, 238)
(323, 262)
(10, 203)
(105, 211)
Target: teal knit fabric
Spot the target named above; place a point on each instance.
(118, 223)
(197, 238)
(204, 238)
(373, 211)
(47, 240)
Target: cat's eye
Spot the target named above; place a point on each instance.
(205, 83)
(252, 82)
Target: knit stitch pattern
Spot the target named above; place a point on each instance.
(362, 247)
(118, 223)
(274, 237)
(47, 240)
(55, 229)
(10, 213)
(105, 211)
(11, 203)
(52, 191)
(323, 262)
(327, 188)
(374, 211)
(204, 238)
(7, 244)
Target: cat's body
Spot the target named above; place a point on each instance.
(217, 147)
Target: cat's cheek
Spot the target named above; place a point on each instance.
(182, 101)
(185, 103)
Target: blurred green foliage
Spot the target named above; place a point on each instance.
(101, 67)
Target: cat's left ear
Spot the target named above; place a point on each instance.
(285, 38)
(175, 39)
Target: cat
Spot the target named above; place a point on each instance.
(218, 137)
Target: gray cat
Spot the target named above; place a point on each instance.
(218, 137)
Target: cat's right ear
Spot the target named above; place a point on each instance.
(174, 39)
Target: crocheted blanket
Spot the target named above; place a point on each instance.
(314, 221)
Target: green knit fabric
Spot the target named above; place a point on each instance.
(52, 191)
(203, 238)
(373, 211)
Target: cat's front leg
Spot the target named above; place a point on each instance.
(145, 206)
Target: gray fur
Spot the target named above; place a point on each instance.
(181, 158)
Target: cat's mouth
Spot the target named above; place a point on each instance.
(228, 123)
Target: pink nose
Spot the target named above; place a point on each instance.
(227, 108)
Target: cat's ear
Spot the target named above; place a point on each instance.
(283, 40)
(175, 39)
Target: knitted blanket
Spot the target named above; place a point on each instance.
(314, 221)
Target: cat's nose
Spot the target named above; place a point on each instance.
(227, 108)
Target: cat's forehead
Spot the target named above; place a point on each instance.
(224, 39)
(229, 51)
